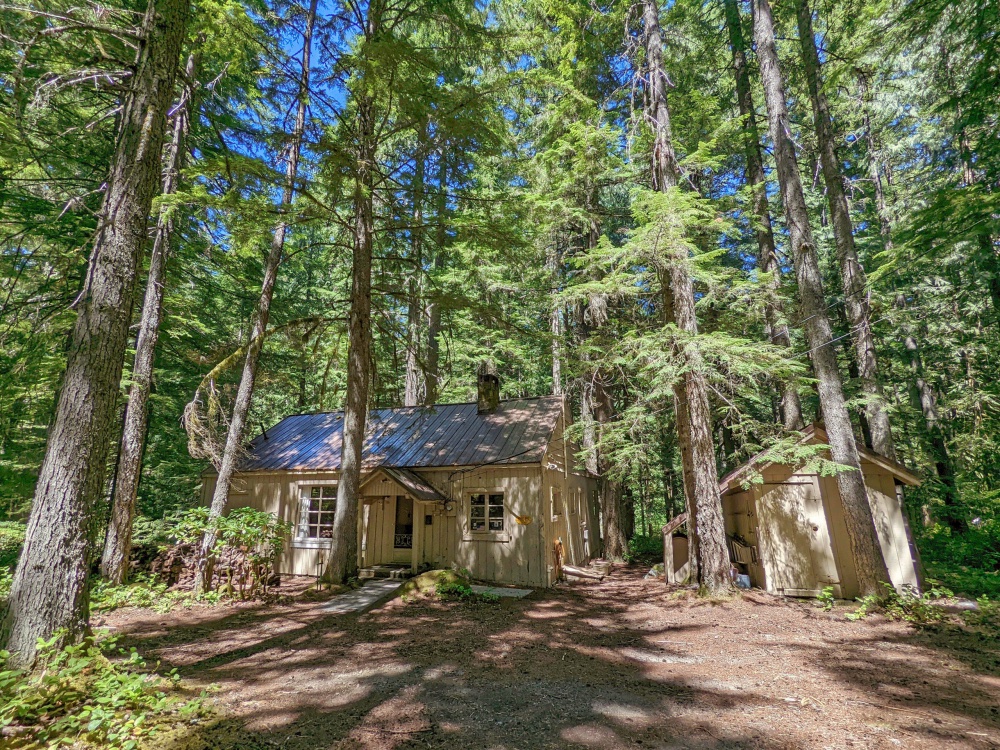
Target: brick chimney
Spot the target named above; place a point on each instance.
(488, 385)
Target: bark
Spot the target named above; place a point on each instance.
(767, 254)
(49, 591)
(926, 400)
(118, 541)
(432, 360)
(868, 558)
(708, 527)
(258, 330)
(414, 383)
(344, 552)
(852, 273)
(614, 526)
(881, 203)
(553, 263)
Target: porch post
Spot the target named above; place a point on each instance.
(418, 535)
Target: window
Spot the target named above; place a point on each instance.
(486, 512)
(557, 508)
(318, 507)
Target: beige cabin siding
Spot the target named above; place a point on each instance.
(278, 493)
(571, 519)
(521, 555)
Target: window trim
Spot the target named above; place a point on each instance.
(468, 534)
(309, 542)
(556, 512)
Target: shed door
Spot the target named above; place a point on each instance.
(799, 559)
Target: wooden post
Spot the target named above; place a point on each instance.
(417, 540)
(668, 555)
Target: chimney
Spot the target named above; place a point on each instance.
(488, 383)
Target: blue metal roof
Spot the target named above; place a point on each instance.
(412, 437)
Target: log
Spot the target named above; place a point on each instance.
(570, 570)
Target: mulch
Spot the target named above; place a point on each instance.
(621, 663)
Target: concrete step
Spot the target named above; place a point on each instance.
(396, 572)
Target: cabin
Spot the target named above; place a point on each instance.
(491, 487)
(789, 534)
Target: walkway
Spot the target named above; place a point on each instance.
(364, 598)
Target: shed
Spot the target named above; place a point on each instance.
(490, 487)
(789, 532)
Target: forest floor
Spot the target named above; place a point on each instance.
(623, 663)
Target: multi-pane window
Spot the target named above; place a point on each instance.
(318, 507)
(486, 511)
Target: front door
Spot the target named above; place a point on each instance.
(402, 541)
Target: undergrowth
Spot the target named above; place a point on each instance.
(462, 592)
(924, 609)
(91, 695)
(644, 549)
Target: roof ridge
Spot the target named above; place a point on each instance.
(418, 406)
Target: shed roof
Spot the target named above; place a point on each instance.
(815, 433)
(414, 437)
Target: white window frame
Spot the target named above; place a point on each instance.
(302, 490)
(555, 510)
(485, 534)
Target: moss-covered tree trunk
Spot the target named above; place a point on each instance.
(232, 451)
(860, 524)
(50, 592)
(118, 540)
(691, 401)
(852, 274)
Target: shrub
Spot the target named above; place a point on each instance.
(451, 588)
(78, 696)
(644, 549)
(825, 599)
(11, 540)
(908, 605)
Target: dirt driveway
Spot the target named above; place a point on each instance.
(618, 664)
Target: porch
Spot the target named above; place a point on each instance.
(404, 524)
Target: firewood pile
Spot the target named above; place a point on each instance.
(236, 571)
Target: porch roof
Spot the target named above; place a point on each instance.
(413, 483)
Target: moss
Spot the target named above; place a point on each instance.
(425, 585)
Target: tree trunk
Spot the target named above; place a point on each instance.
(852, 273)
(432, 361)
(50, 591)
(118, 541)
(244, 394)
(767, 255)
(344, 552)
(868, 557)
(553, 262)
(611, 498)
(415, 386)
(708, 528)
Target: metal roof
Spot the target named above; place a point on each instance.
(518, 432)
(812, 434)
